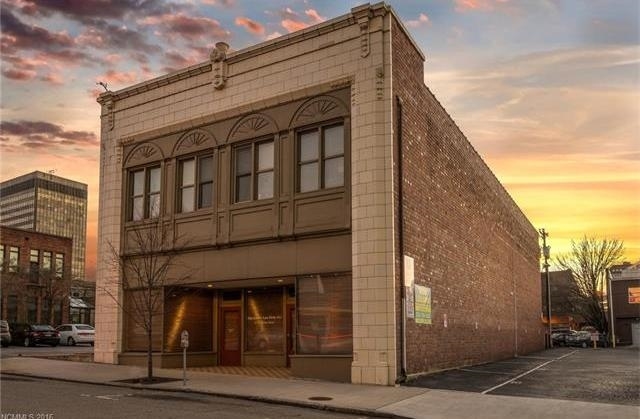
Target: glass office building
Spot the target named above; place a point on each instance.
(48, 204)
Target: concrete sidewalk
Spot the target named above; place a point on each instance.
(362, 399)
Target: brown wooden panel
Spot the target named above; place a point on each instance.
(191, 311)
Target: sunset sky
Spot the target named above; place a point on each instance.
(547, 91)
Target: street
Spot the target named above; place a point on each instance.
(591, 375)
(48, 399)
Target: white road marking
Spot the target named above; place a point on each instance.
(483, 372)
(526, 373)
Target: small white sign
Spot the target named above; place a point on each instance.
(408, 271)
(184, 339)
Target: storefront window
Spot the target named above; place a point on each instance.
(324, 315)
(265, 328)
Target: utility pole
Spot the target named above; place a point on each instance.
(546, 250)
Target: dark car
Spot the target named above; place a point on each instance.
(581, 339)
(33, 334)
(5, 336)
(559, 338)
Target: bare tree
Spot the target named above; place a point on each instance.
(148, 268)
(589, 260)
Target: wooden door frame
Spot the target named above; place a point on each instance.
(221, 331)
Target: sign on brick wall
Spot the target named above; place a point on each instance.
(422, 304)
(634, 295)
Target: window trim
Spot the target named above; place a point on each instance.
(198, 183)
(146, 193)
(321, 159)
(255, 172)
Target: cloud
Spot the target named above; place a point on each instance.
(38, 134)
(423, 19)
(274, 35)
(20, 75)
(250, 25)
(17, 35)
(192, 28)
(292, 21)
(114, 77)
(224, 3)
(478, 5)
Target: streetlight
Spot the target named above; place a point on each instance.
(546, 251)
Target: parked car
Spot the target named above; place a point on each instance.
(70, 334)
(559, 338)
(5, 335)
(581, 339)
(33, 334)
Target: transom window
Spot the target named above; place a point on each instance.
(196, 184)
(144, 193)
(254, 171)
(321, 158)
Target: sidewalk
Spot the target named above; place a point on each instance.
(361, 399)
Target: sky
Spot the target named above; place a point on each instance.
(547, 91)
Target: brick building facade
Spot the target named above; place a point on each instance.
(311, 173)
(625, 303)
(36, 276)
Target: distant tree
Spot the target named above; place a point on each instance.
(148, 269)
(589, 260)
(54, 291)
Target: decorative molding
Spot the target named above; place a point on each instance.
(364, 36)
(144, 152)
(252, 126)
(219, 66)
(195, 138)
(322, 107)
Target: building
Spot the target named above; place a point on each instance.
(322, 188)
(564, 315)
(35, 276)
(625, 303)
(49, 204)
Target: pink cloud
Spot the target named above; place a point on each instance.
(250, 25)
(292, 21)
(187, 27)
(470, 5)
(113, 76)
(423, 19)
(53, 78)
(20, 75)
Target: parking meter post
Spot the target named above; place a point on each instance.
(184, 342)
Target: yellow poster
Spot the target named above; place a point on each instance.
(422, 296)
(634, 295)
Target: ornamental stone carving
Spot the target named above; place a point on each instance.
(317, 109)
(218, 59)
(252, 126)
(194, 139)
(144, 153)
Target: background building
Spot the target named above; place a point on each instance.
(625, 303)
(46, 203)
(35, 276)
(337, 220)
(564, 310)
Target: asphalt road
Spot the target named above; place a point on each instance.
(592, 375)
(48, 399)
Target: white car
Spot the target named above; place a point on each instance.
(70, 334)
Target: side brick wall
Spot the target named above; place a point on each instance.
(471, 243)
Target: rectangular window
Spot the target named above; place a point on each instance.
(321, 158)
(59, 265)
(196, 184)
(46, 261)
(34, 265)
(254, 171)
(144, 193)
(265, 324)
(14, 258)
(325, 320)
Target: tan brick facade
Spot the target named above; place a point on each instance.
(354, 51)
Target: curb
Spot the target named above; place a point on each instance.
(261, 399)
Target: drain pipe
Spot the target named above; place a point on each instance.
(403, 315)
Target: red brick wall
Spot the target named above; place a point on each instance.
(26, 240)
(471, 243)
